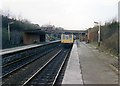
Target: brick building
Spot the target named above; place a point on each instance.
(33, 36)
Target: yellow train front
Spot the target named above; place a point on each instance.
(67, 40)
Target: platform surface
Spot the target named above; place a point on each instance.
(95, 66)
(73, 72)
(9, 50)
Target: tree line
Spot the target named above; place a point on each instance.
(17, 29)
(109, 36)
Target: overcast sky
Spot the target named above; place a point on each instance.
(69, 14)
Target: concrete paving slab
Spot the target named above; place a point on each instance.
(73, 72)
(94, 66)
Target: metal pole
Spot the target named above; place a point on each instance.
(99, 32)
(8, 31)
(88, 35)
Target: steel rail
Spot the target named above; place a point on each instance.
(5, 75)
(29, 79)
(60, 68)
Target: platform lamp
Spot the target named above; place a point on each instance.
(99, 32)
(9, 29)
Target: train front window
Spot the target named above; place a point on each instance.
(70, 37)
(63, 36)
(67, 36)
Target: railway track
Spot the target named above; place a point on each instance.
(18, 64)
(48, 74)
(43, 71)
(27, 69)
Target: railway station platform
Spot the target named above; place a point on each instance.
(73, 71)
(10, 50)
(89, 67)
(96, 70)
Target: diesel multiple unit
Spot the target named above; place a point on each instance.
(67, 38)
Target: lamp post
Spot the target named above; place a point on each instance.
(99, 32)
(9, 30)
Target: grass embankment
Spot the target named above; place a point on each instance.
(104, 48)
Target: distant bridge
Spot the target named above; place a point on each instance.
(78, 33)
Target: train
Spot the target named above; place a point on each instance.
(67, 39)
